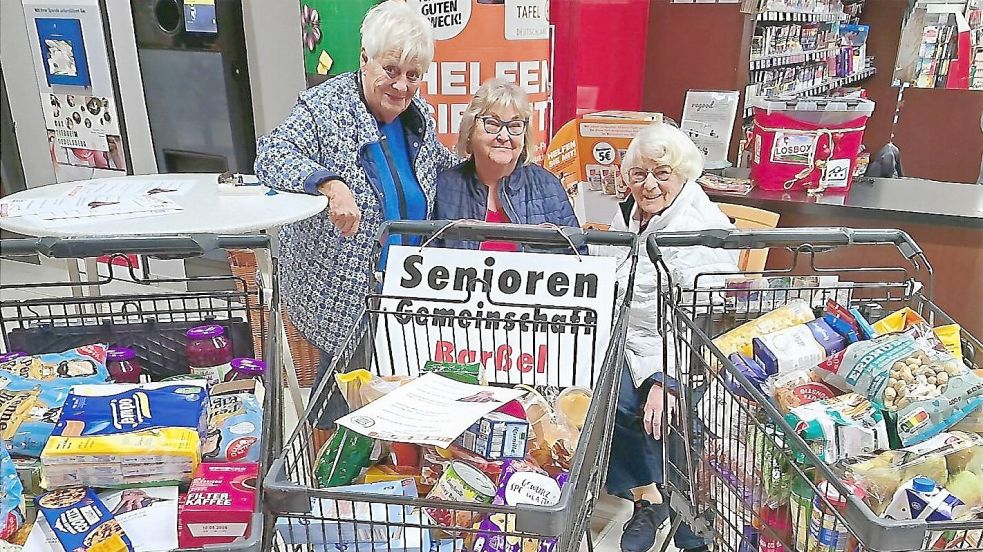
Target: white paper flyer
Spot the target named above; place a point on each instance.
(430, 410)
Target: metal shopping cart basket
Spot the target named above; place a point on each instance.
(150, 315)
(312, 518)
(744, 472)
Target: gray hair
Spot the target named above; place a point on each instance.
(495, 93)
(664, 144)
(395, 26)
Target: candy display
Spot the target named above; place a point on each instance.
(220, 504)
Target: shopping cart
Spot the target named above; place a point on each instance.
(310, 515)
(743, 461)
(151, 317)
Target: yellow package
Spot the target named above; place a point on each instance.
(739, 339)
(949, 336)
(14, 409)
(898, 321)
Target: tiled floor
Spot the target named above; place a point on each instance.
(610, 513)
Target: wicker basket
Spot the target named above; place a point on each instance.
(305, 356)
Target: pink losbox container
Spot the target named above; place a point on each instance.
(220, 504)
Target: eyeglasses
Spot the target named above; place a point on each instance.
(393, 72)
(638, 175)
(494, 125)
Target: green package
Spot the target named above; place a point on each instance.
(465, 373)
(343, 458)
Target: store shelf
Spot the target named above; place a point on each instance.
(793, 58)
(823, 87)
(799, 17)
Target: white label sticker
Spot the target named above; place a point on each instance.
(793, 148)
(836, 174)
(532, 488)
(447, 18)
(603, 153)
(527, 20)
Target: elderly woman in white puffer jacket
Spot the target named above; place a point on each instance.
(660, 168)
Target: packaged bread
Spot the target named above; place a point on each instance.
(739, 340)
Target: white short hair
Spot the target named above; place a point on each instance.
(495, 93)
(664, 144)
(394, 25)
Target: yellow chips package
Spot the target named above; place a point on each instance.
(739, 339)
(898, 321)
(949, 336)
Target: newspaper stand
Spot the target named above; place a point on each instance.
(152, 322)
(305, 510)
(720, 405)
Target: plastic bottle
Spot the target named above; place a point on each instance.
(775, 530)
(800, 509)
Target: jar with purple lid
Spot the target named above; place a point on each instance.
(123, 365)
(246, 368)
(209, 352)
(4, 357)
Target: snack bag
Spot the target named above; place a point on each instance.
(739, 339)
(81, 522)
(797, 388)
(11, 495)
(520, 483)
(952, 459)
(927, 391)
(755, 465)
(235, 426)
(750, 369)
(29, 410)
(842, 427)
(79, 365)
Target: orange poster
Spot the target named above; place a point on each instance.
(481, 39)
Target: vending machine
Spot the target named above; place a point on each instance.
(195, 76)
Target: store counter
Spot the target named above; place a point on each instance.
(945, 219)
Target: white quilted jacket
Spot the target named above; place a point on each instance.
(692, 211)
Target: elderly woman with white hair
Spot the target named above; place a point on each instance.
(497, 182)
(660, 168)
(367, 142)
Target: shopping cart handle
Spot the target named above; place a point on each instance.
(782, 237)
(158, 246)
(466, 230)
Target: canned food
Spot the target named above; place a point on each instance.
(460, 482)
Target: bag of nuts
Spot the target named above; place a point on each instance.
(926, 391)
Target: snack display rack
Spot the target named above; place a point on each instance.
(722, 404)
(153, 323)
(313, 514)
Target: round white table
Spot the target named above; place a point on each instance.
(204, 211)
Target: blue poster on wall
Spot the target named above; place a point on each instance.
(63, 51)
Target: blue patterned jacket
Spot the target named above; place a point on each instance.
(324, 277)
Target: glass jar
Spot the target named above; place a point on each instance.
(209, 352)
(246, 368)
(123, 365)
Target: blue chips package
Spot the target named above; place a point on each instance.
(79, 365)
(81, 522)
(29, 410)
(92, 410)
(11, 493)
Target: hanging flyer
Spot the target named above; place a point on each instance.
(708, 119)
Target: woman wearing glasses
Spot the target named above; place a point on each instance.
(497, 182)
(365, 140)
(660, 168)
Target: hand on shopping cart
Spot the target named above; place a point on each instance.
(342, 210)
(655, 405)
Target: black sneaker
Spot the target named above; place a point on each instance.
(639, 532)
